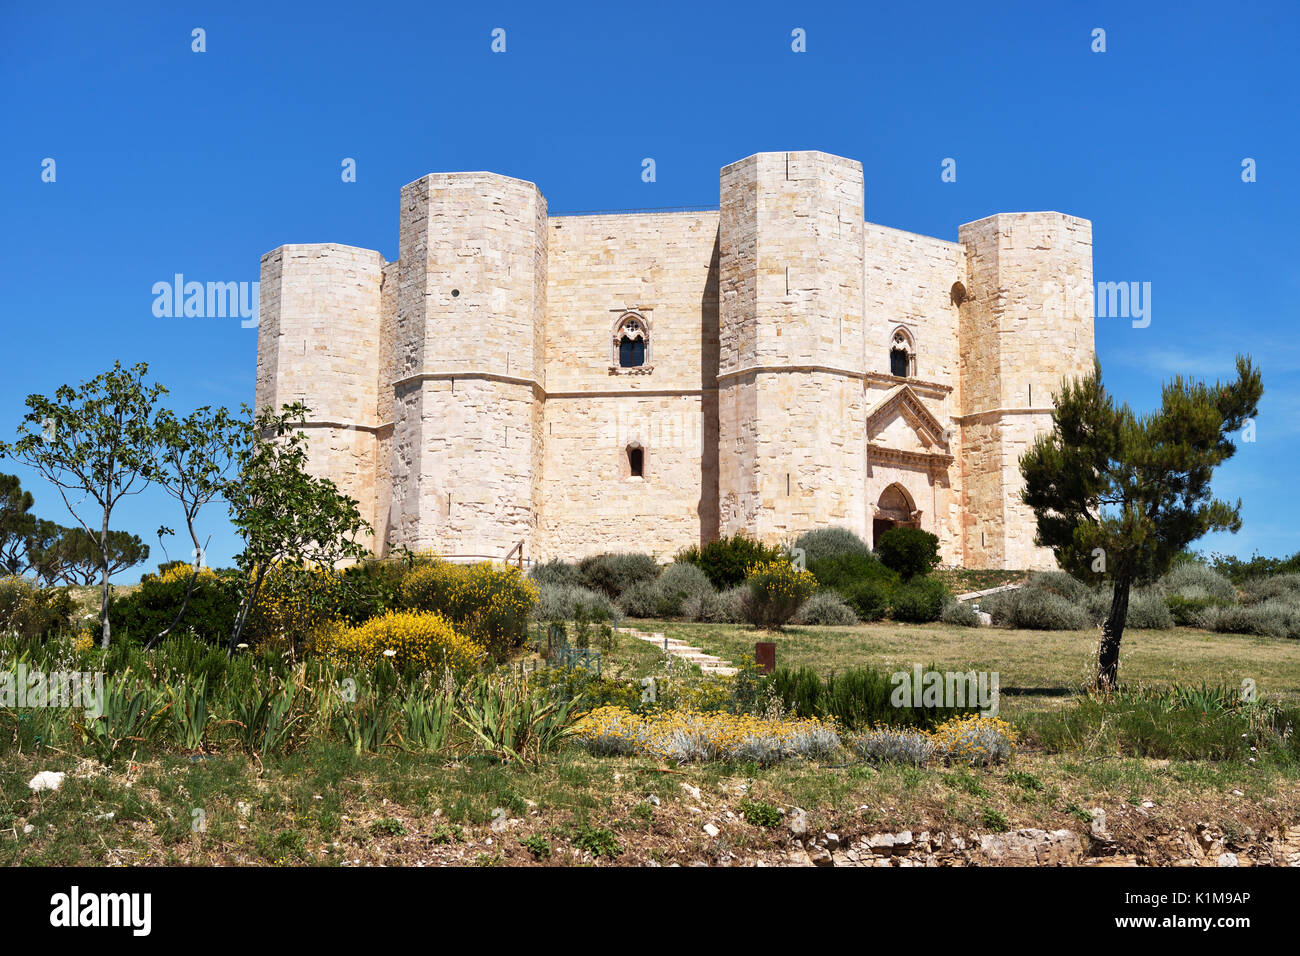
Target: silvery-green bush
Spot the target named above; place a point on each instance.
(1195, 582)
(828, 542)
(718, 607)
(563, 602)
(825, 608)
(960, 613)
(886, 745)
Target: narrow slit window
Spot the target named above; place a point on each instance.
(636, 462)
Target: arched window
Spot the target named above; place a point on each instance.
(902, 355)
(635, 461)
(631, 341)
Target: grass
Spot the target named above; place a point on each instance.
(329, 806)
(1037, 668)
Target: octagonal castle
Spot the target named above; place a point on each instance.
(650, 380)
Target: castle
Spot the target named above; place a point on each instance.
(651, 380)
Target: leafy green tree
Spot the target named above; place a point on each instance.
(285, 516)
(44, 556)
(1118, 495)
(196, 456)
(909, 551)
(96, 443)
(78, 554)
(17, 525)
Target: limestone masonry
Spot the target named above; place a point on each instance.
(647, 381)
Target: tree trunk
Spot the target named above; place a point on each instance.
(103, 584)
(1112, 632)
(242, 617)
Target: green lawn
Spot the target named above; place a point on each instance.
(1035, 667)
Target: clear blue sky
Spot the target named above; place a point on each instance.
(172, 161)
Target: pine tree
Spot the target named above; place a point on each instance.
(1117, 495)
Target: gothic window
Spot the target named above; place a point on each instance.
(902, 355)
(632, 342)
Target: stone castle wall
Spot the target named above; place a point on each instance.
(469, 394)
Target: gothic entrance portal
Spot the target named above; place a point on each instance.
(894, 510)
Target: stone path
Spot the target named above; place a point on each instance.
(972, 595)
(675, 648)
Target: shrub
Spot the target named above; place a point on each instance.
(685, 735)
(431, 586)
(718, 607)
(493, 604)
(909, 551)
(1260, 590)
(1194, 581)
(153, 606)
(1147, 611)
(959, 613)
(667, 596)
(1186, 611)
(556, 572)
(490, 603)
(417, 640)
(31, 611)
(557, 602)
(857, 698)
(825, 608)
(978, 741)
(1274, 618)
(727, 561)
(822, 543)
(776, 590)
(1034, 609)
(893, 745)
(615, 573)
(868, 599)
(918, 601)
(1062, 584)
(681, 580)
(842, 571)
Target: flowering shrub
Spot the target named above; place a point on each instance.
(29, 610)
(776, 590)
(489, 603)
(978, 741)
(419, 640)
(686, 735)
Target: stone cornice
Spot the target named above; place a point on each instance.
(994, 412)
(928, 459)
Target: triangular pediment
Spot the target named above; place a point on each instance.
(900, 420)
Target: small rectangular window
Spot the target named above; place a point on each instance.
(635, 462)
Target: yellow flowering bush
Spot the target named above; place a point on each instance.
(422, 640)
(179, 573)
(685, 735)
(975, 740)
(292, 603)
(488, 602)
(776, 590)
(29, 610)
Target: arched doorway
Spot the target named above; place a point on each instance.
(895, 509)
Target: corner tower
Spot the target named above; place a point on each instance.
(319, 337)
(791, 415)
(1026, 324)
(468, 364)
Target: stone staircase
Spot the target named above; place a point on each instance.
(707, 663)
